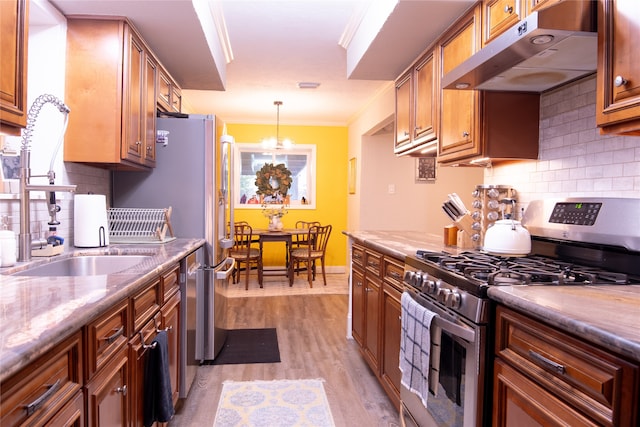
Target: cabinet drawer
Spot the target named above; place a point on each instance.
(44, 387)
(170, 283)
(373, 263)
(105, 336)
(393, 272)
(146, 304)
(595, 381)
(357, 255)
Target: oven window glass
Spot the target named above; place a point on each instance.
(447, 406)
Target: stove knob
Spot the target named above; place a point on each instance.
(408, 276)
(453, 299)
(430, 286)
(416, 280)
(443, 294)
(435, 288)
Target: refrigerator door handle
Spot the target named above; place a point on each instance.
(230, 263)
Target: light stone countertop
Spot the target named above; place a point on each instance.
(608, 316)
(38, 312)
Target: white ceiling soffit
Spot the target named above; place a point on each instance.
(392, 33)
(181, 51)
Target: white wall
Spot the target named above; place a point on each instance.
(574, 159)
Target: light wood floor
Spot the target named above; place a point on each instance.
(312, 340)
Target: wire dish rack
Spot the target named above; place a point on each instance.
(135, 225)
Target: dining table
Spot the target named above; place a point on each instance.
(285, 235)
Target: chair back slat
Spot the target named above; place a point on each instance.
(242, 238)
(319, 236)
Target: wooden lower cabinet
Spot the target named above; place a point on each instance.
(71, 415)
(543, 376)
(357, 310)
(376, 291)
(42, 392)
(170, 315)
(107, 393)
(390, 372)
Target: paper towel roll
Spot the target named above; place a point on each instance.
(91, 228)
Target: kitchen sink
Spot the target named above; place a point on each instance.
(87, 265)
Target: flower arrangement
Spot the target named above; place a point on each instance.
(271, 211)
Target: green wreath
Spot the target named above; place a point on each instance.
(282, 177)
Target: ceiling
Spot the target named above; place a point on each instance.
(353, 48)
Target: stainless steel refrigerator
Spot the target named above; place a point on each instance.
(192, 175)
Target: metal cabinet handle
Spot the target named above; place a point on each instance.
(550, 363)
(368, 290)
(465, 134)
(122, 390)
(36, 404)
(395, 275)
(359, 284)
(619, 81)
(138, 143)
(508, 9)
(111, 339)
(406, 133)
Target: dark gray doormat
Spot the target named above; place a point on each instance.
(244, 346)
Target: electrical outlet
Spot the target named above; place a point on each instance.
(392, 188)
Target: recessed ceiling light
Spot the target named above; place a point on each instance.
(308, 85)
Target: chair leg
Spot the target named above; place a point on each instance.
(308, 262)
(260, 275)
(246, 284)
(324, 277)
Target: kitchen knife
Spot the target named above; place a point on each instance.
(449, 213)
(457, 201)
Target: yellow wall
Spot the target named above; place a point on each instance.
(331, 186)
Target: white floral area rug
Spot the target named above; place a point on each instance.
(279, 286)
(278, 403)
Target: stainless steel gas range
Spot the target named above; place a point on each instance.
(576, 241)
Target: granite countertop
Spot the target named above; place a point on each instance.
(38, 312)
(608, 316)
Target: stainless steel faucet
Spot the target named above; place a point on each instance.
(25, 242)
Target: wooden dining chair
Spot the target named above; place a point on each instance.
(244, 253)
(318, 235)
(302, 241)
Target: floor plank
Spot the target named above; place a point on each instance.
(312, 339)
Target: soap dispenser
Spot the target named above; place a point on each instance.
(8, 244)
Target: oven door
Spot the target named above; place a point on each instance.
(457, 371)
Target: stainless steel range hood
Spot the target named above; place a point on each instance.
(548, 48)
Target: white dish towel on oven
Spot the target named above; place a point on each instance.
(415, 346)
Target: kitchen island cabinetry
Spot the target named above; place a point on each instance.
(416, 97)
(543, 376)
(618, 74)
(111, 81)
(477, 126)
(372, 292)
(13, 73)
(390, 365)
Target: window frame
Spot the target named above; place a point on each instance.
(300, 149)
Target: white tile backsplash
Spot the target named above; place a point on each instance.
(574, 159)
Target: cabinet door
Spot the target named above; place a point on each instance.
(517, 401)
(403, 112)
(499, 15)
(107, 393)
(171, 323)
(618, 89)
(426, 117)
(460, 108)
(13, 73)
(391, 342)
(357, 308)
(138, 349)
(149, 111)
(372, 322)
(133, 144)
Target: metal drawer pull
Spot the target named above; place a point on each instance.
(111, 339)
(152, 345)
(36, 404)
(550, 363)
(167, 329)
(395, 275)
(122, 390)
(373, 264)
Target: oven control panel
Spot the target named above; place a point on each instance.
(577, 213)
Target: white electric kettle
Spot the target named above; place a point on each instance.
(507, 237)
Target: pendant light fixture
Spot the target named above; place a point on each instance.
(275, 142)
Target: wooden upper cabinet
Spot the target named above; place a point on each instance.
(13, 72)
(416, 106)
(618, 76)
(111, 91)
(499, 15)
(169, 93)
(460, 110)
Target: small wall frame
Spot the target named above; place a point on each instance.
(425, 169)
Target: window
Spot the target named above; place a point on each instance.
(299, 159)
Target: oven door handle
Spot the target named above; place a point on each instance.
(454, 329)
